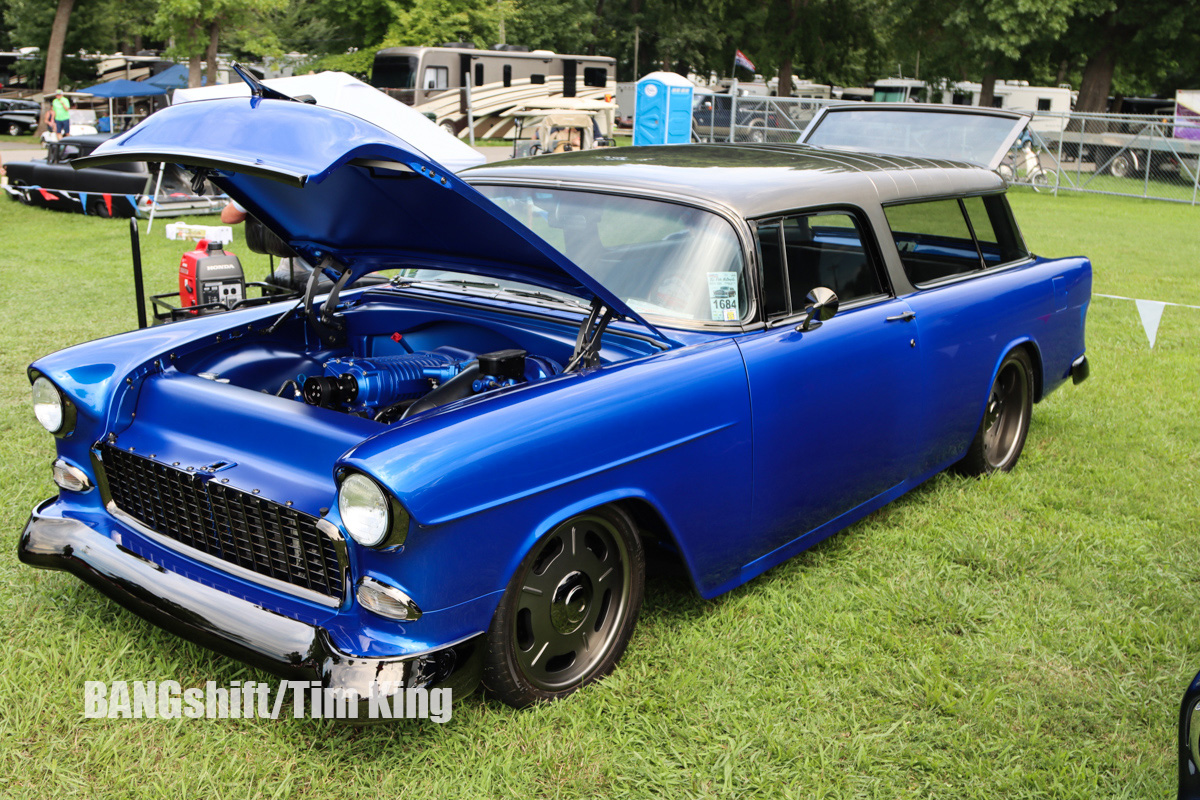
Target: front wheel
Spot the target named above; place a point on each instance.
(1001, 435)
(13, 129)
(566, 617)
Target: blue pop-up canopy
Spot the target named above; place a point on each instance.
(124, 88)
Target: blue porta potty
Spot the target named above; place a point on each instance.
(663, 112)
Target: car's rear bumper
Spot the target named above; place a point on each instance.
(1080, 370)
(231, 625)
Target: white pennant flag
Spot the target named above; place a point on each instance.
(1151, 312)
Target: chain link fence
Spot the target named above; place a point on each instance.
(1129, 155)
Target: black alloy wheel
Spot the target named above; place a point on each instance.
(1001, 435)
(566, 617)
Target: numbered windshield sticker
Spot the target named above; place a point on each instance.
(722, 295)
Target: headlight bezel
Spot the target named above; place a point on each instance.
(396, 519)
(66, 409)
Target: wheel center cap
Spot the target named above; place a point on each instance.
(572, 599)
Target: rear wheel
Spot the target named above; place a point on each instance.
(13, 129)
(566, 617)
(1001, 435)
(1121, 166)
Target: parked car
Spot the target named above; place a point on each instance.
(124, 189)
(18, 116)
(723, 352)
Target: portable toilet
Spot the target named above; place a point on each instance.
(663, 111)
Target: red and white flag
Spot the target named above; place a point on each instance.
(740, 60)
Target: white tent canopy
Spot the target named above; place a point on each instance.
(346, 93)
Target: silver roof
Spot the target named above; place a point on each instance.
(751, 179)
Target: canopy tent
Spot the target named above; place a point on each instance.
(122, 88)
(342, 92)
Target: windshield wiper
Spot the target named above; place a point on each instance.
(401, 281)
(536, 295)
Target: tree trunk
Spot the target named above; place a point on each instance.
(987, 91)
(1097, 80)
(194, 71)
(210, 56)
(785, 76)
(54, 51)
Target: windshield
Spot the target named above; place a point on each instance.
(660, 258)
(394, 72)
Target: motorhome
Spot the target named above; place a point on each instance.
(899, 90)
(416, 75)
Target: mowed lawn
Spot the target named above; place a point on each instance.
(1024, 636)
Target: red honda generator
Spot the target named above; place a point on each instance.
(210, 279)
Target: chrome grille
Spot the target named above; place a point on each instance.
(237, 527)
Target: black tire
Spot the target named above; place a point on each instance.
(566, 617)
(1001, 435)
(757, 134)
(13, 129)
(98, 208)
(1122, 165)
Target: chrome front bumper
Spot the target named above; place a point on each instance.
(233, 626)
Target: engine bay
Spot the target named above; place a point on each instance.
(400, 359)
(390, 388)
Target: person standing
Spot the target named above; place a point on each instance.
(62, 114)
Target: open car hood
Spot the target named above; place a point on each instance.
(335, 186)
(980, 136)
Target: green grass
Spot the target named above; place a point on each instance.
(1027, 636)
(27, 138)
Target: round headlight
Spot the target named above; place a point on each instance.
(47, 405)
(365, 510)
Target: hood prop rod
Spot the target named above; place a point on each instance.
(587, 343)
(327, 328)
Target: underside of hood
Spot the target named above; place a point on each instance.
(334, 186)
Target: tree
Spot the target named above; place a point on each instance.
(54, 51)
(196, 28)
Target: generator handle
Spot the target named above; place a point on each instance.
(138, 291)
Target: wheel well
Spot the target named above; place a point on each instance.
(1035, 358)
(662, 550)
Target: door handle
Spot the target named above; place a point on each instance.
(905, 317)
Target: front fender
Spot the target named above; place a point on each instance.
(486, 478)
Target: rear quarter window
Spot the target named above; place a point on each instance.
(941, 239)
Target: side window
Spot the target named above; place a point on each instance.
(595, 76)
(436, 78)
(479, 74)
(1043, 104)
(995, 231)
(507, 75)
(933, 239)
(537, 78)
(944, 238)
(803, 252)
